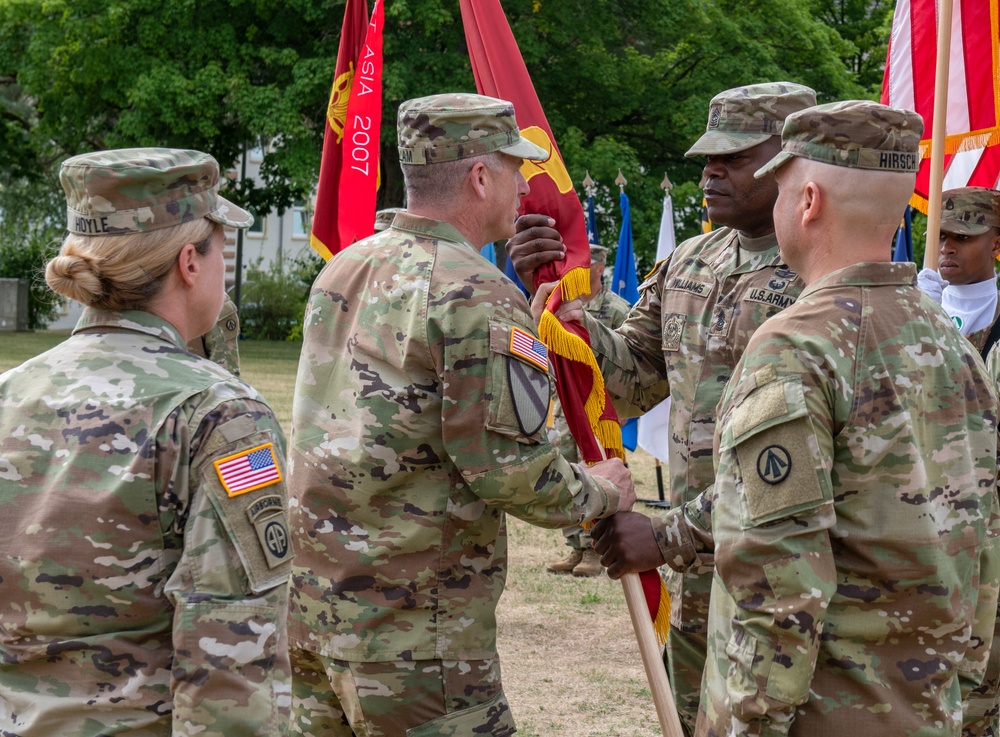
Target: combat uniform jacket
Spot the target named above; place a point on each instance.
(853, 521)
(418, 421)
(143, 584)
(695, 314)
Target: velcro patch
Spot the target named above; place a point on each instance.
(530, 394)
(524, 345)
(764, 404)
(267, 515)
(248, 470)
(779, 475)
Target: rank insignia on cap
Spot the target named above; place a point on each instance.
(525, 345)
(248, 470)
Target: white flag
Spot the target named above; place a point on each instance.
(654, 426)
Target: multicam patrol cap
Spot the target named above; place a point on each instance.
(598, 254)
(133, 190)
(458, 125)
(384, 218)
(743, 117)
(970, 210)
(857, 134)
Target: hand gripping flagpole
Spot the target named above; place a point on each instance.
(938, 135)
(645, 635)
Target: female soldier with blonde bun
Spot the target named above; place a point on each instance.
(144, 548)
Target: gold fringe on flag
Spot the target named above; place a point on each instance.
(560, 341)
(661, 624)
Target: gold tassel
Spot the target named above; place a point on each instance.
(575, 283)
(661, 624)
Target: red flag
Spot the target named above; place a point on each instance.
(500, 72)
(344, 138)
(972, 137)
(359, 171)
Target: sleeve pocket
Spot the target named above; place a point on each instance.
(519, 388)
(777, 453)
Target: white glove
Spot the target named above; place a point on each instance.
(931, 284)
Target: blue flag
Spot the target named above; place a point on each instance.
(509, 272)
(625, 283)
(904, 239)
(489, 253)
(591, 220)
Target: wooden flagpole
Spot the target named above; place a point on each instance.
(938, 135)
(652, 660)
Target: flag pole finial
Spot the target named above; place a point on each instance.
(621, 181)
(589, 185)
(666, 185)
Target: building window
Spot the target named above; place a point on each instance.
(257, 154)
(301, 220)
(259, 227)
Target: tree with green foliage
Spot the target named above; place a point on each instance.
(624, 83)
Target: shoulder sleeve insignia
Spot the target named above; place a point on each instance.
(247, 470)
(524, 345)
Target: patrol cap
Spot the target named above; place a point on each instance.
(457, 125)
(743, 117)
(857, 134)
(383, 218)
(970, 210)
(134, 190)
(598, 253)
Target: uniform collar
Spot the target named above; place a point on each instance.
(429, 228)
(136, 321)
(882, 273)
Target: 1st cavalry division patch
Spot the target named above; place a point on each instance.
(248, 470)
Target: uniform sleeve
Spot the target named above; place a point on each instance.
(230, 587)
(980, 671)
(496, 389)
(773, 511)
(631, 357)
(684, 533)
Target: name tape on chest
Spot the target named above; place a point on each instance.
(524, 345)
(249, 469)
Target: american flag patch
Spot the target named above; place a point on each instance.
(248, 470)
(526, 346)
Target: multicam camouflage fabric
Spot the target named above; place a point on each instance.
(136, 596)
(416, 426)
(221, 343)
(692, 322)
(390, 694)
(132, 190)
(458, 125)
(970, 210)
(854, 518)
(858, 134)
(745, 116)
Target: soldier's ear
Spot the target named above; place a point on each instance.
(478, 179)
(187, 265)
(996, 243)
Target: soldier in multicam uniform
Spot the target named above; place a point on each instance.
(221, 343)
(418, 422)
(966, 281)
(695, 314)
(854, 519)
(611, 310)
(143, 575)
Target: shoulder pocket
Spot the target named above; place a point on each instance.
(772, 438)
(519, 384)
(245, 481)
